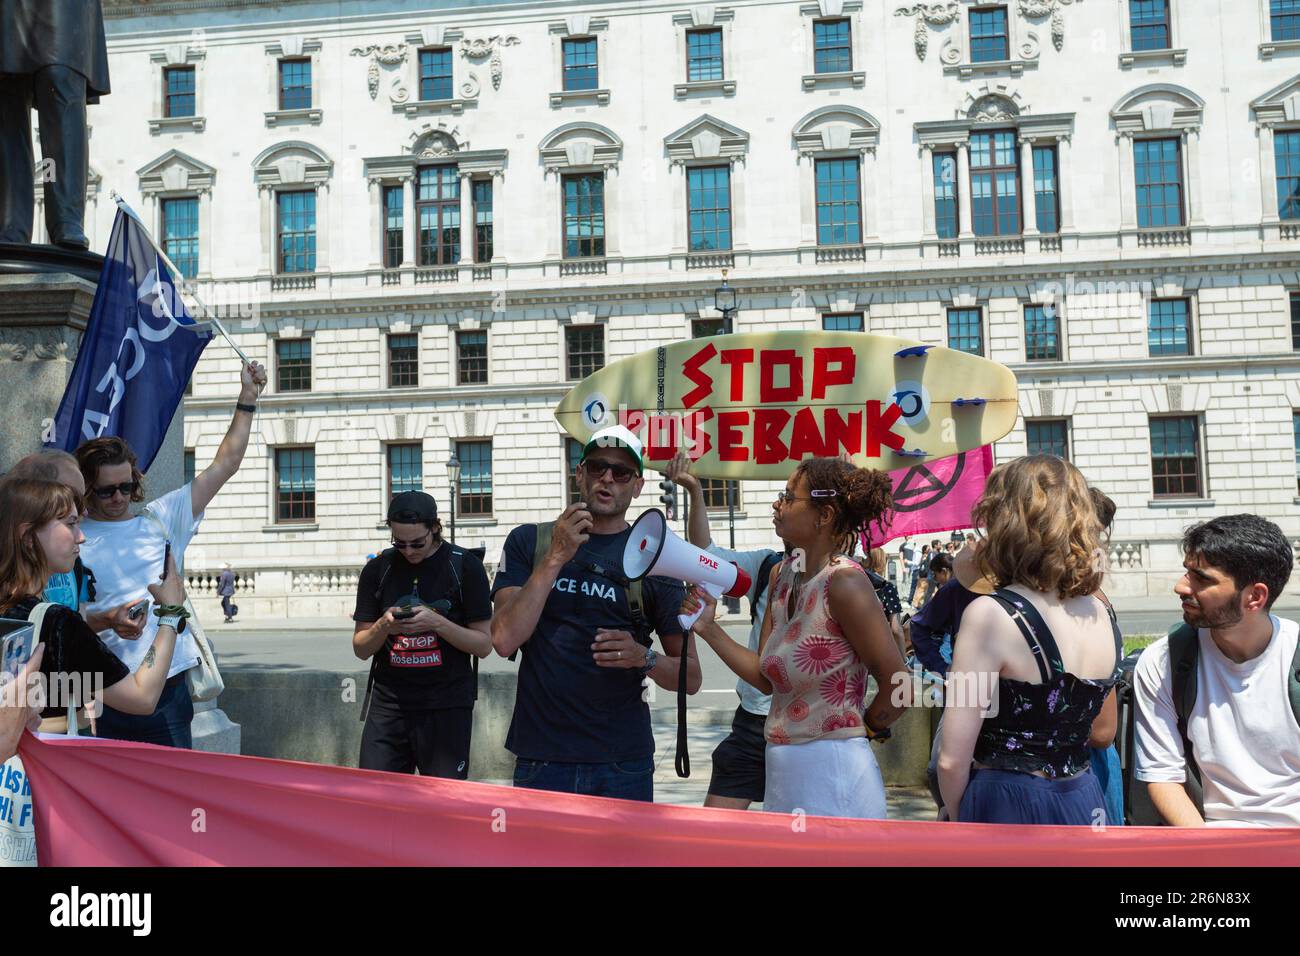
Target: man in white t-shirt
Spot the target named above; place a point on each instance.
(1244, 737)
(127, 553)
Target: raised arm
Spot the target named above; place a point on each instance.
(519, 609)
(697, 529)
(252, 379)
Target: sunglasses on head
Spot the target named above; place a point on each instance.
(415, 545)
(127, 489)
(595, 470)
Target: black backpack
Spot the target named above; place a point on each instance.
(457, 574)
(764, 578)
(1184, 654)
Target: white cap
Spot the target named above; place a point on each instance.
(617, 436)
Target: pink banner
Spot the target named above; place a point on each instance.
(108, 803)
(935, 497)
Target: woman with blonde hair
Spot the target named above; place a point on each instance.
(39, 536)
(823, 633)
(1042, 648)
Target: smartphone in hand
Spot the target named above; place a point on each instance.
(136, 611)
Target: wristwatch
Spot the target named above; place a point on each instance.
(651, 658)
(174, 622)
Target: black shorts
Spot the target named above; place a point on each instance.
(739, 762)
(434, 742)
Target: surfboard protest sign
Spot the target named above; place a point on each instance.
(754, 405)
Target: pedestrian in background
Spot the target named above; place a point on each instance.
(226, 588)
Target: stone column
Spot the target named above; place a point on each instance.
(1127, 182)
(466, 219)
(498, 206)
(1268, 196)
(266, 197)
(377, 224)
(929, 228)
(870, 197)
(612, 236)
(410, 227)
(967, 225)
(678, 185)
(1064, 192)
(1028, 199)
(554, 224)
(807, 200)
(205, 234)
(1195, 202)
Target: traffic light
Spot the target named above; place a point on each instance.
(669, 498)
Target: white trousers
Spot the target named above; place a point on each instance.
(825, 778)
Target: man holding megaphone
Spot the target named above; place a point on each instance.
(581, 723)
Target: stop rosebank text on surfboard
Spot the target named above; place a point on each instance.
(745, 435)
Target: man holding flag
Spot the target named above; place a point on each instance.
(138, 352)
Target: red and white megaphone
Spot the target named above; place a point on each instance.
(653, 548)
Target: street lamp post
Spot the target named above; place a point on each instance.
(453, 480)
(724, 300)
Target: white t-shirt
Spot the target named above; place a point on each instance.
(126, 556)
(1243, 734)
(751, 562)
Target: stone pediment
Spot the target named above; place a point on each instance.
(175, 171)
(707, 138)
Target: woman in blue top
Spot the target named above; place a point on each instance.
(1042, 648)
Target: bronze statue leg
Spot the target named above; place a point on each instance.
(17, 162)
(61, 104)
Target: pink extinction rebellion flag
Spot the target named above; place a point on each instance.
(934, 497)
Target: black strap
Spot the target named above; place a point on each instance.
(682, 759)
(764, 577)
(370, 687)
(1031, 626)
(1184, 653)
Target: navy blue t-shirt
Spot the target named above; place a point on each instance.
(568, 708)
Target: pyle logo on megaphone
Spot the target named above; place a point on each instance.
(653, 548)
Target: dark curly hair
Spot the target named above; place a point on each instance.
(862, 496)
(98, 452)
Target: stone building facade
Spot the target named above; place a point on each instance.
(1095, 194)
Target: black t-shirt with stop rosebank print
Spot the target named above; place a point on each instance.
(424, 671)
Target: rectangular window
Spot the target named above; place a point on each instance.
(1295, 320)
(297, 219)
(945, 195)
(475, 492)
(482, 197)
(437, 207)
(708, 207)
(580, 68)
(584, 216)
(988, 35)
(435, 74)
(189, 465)
(716, 490)
(295, 84)
(1158, 166)
(1175, 457)
(1047, 206)
(293, 365)
(839, 203)
(1149, 24)
(1286, 152)
(1169, 327)
(703, 328)
(1048, 436)
(471, 357)
(585, 347)
(995, 184)
(180, 229)
(178, 91)
(572, 455)
(405, 469)
(1285, 18)
(832, 46)
(703, 55)
(966, 331)
(843, 322)
(394, 238)
(1042, 334)
(295, 485)
(403, 361)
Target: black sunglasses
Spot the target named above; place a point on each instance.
(415, 545)
(127, 489)
(595, 470)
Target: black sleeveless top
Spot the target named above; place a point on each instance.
(1043, 728)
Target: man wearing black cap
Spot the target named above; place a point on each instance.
(581, 722)
(422, 610)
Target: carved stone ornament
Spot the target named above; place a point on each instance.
(935, 14)
(12, 352)
(390, 55)
(991, 109)
(477, 49)
(1037, 9)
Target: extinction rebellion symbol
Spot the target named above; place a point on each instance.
(921, 487)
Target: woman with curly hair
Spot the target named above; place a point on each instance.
(1042, 648)
(823, 633)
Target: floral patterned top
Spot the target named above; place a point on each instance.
(1043, 728)
(818, 682)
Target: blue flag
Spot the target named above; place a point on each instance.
(136, 355)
